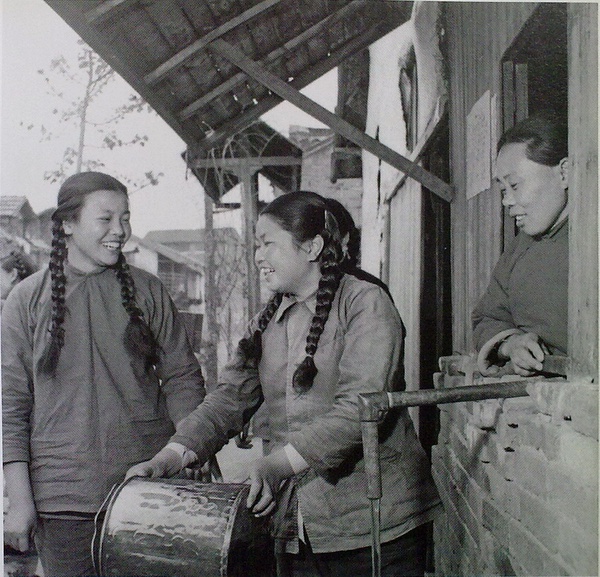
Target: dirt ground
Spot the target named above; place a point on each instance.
(232, 461)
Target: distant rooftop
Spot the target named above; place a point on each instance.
(13, 205)
(307, 138)
(191, 236)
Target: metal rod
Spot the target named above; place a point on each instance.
(373, 408)
(376, 536)
(372, 411)
(499, 390)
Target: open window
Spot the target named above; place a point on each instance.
(535, 75)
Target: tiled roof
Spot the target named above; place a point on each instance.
(11, 205)
(191, 236)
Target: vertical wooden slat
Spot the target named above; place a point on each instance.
(508, 99)
(583, 189)
(521, 92)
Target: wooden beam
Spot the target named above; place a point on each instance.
(249, 202)
(103, 10)
(72, 14)
(238, 162)
(179, 58)
(431, 130)
(240, 77)
(583, 190)
(243, 120)
(342, 127)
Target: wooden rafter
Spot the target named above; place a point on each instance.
(70, 12)
(179, 58)
(431, 130)
(103, 10)
(315, 30)
(253, 161)
(289, 93)
(243, 120)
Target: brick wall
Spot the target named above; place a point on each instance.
(519, 481)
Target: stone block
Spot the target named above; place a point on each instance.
(531, 470)
(486, 413)
(542, 433)
(517, 409)
(578, 548)
(579, 453)
(580, 407)
(540, 519)
(577, 502)
(545, 395)
(507, 431)
(526, 549)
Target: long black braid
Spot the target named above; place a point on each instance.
(251, 347)
(328, 284)
(18, 261)
(58, 282)
(138, 338)
(305, 215)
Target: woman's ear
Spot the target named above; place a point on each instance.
(67, 227)
(14, 276)
(315, 247)
(564, 172)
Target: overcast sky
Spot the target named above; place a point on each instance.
(32, 35)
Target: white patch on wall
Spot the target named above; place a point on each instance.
(481, 134)
(384, 122)
(430, 63)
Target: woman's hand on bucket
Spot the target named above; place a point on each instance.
(165, 463)
(266, 475)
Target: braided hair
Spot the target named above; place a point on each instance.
(305, 215)
(18, 261)
(346, 227)
(138, 338)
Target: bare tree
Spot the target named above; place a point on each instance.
(78, 88)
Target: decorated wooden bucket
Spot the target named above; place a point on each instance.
(180, 528)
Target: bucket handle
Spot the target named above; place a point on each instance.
(98, 526)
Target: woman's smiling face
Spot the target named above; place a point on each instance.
(535, 194)
(96, 237)
(285, 266)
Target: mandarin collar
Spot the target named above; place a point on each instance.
(555, 230)
(71, 270)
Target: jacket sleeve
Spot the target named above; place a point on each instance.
(492, 314)
(224, 411)
(17, 379)
(371, 361)
(178, 368)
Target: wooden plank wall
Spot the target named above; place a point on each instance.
(478, 35)
(405, 275)
(583, 188)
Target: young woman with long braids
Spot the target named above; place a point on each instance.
(96, 370)
(15, 266)
(323, 338)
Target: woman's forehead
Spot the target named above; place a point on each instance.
(512, 160)
(113, 200)
(266, 225)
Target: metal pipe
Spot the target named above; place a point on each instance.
(373, 407)
(499, 390)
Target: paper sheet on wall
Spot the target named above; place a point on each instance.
(479, 143)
